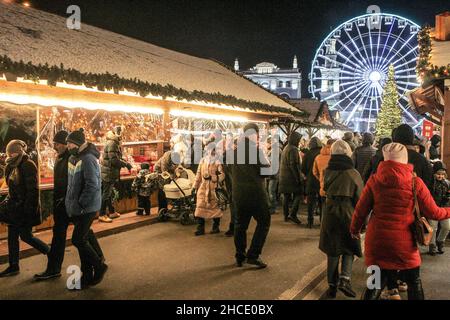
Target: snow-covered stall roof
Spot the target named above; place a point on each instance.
(39, 37)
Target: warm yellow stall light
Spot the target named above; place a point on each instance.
(210, 116)
(76, 103)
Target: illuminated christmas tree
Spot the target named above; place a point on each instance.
(390, 115)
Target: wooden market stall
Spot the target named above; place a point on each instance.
(432, 99)
(54, 78)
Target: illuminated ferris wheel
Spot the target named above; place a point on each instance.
(350, 67)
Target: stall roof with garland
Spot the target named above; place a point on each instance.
(42, 38)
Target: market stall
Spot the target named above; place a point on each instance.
(154, 93)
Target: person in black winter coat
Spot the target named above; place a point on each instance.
(363, 154)
(250, 197)
(312, 184)
(60, 218)
(372, 165)
(404, 134)
(22, 206)
(435, 148)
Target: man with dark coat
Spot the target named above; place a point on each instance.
(83, 200)
(349, 138)
(404, 134)
(111, 164)
(291, 177)
(372, 166)
(250, 197)
(312, 184)
(363, 154)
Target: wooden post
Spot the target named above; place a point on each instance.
(445, 128)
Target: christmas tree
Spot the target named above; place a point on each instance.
(390, 115)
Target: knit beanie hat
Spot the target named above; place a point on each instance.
(404, 134)
(61, 137)
(16, 146)
(367, 138)
(395, 152)
(348, 136)
(77, 137)
(341, 147)
(439, 166)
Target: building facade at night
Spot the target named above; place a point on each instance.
(284, 82)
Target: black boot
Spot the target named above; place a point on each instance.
(216, 224)
(415, 290)
(310, 223)
(12, 270)
(200, 230)
(432, 250)
(346, 287)
(331, 292)
(99, 274)
(371, 294)
(440, 247)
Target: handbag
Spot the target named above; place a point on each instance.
(421, 229)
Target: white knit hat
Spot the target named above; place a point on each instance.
(341, 147)
(395, 152)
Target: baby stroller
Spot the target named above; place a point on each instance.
(180, 197)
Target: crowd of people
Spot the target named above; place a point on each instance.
(353, 184)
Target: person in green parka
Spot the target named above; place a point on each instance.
(343, 186)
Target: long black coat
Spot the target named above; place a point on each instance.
(23, 194)
(312, 184)
(291, 180)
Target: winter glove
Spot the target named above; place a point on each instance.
(128, 166)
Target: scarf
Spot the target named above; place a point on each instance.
(340, 162)
(13, 162)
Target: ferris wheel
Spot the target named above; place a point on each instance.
(350, 67)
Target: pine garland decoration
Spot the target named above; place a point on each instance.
(108, 81)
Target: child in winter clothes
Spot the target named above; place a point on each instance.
(441, 194)
(142, 186)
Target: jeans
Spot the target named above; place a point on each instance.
(443, 232)
(26, 235)
(56, 254)
(83, 238)
(107, 194)
(144, 204)
(242, 220)
(333, 269)
(295, 204)
(389, 278)
(272, 185)
(314, 200)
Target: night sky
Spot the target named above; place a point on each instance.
(253, 31)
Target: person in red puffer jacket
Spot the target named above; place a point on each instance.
(389, 241)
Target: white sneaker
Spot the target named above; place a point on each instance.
(114, 215)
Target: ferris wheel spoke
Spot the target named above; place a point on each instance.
(397, 66)
(387, 62)
(347, 59)
(402, 57)
(357, 49)
(362, 89)
(406, 111)
(352, 54)
(337, 62)
(362, 95)
(378, 46)
(341, 92)
(385, 45)
(395, 42)
(364, 46)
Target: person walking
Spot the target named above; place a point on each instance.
(143, 186)
(250, 197)
(404, 134)
(313, 199)
(363, 154)
(372, 166)
(320, 164)
(210, 175)
(111, 164)
(349, 138)
(441, 195)
(343, 186)
(22, 204)
(291, 178)
(83, 200)
(389, 242)
(60, 218)
(435, 147)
